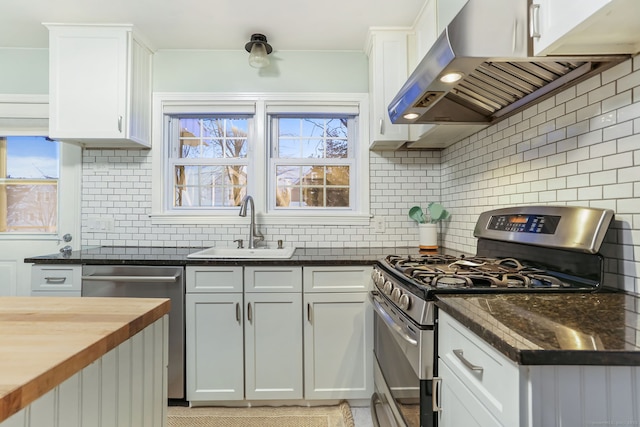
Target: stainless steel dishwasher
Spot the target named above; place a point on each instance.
(133, 281)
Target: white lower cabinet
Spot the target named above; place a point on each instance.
(243, 345)
(215, 354)
(479, 386)
(273, 346)
(338, 346)
(248, 344)
(338, 332)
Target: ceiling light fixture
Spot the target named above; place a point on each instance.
(258, 49)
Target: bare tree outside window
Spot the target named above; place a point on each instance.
(316, 172)
(211, 168)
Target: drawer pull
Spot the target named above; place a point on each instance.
(55, 279)
(466, 363)
(435, 394)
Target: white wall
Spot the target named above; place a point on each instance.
(289, 71)
(24, 71)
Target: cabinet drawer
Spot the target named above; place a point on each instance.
(337, 278)
(56, 278)
(490, 377)
(213, 279)
(273, 279)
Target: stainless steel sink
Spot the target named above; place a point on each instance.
(243, 253)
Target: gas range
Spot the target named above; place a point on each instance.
(520, 249)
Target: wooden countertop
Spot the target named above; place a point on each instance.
(46, 340)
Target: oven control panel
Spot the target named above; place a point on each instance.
(540, 224)
(574, 228)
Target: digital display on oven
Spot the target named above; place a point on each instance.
(538, 224)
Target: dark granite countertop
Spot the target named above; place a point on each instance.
(178, 256)
(554, 329)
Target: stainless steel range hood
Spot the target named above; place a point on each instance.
(488, 44)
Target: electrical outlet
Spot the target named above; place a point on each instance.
(379, 224)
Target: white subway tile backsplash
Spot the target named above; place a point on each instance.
(579, 147)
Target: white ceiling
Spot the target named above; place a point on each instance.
(213, 24)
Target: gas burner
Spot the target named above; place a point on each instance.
(450, 282)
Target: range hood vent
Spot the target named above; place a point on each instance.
(487, 44)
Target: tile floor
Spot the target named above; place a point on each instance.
(362, 416)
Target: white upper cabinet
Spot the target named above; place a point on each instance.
(388, 66)
(99, 86)
(574, 27)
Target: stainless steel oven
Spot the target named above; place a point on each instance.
(404, 360)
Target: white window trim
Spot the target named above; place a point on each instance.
(258, 188)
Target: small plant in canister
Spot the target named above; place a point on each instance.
(427, 229)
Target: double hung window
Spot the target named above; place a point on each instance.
(311, 162)
(304, 159)
(209, 161)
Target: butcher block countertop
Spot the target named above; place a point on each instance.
(46, 340)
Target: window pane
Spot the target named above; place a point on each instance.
(221, 137)
(312, 186)
(312, 137)
(337, 148)
(289, 149)
(338, 175)
(313, 148)
(338, 197)
(29, 172)
(209, 186)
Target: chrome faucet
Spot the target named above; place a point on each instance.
(255, 236)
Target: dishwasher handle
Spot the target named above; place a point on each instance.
(133, 279)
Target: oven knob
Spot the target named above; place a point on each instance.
(374, 275)
(404, 302)
(379, 280)
(395, 295)
(387, 288)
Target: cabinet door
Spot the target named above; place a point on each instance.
(338, 346)
(486, 374)
(214, 347)
(99, 86)
(88, 81)
(459, 406)
(388, 62)
(557, 18)
(273, 342)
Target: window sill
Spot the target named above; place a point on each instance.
(273, 219)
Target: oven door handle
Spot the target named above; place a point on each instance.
(388, 320)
